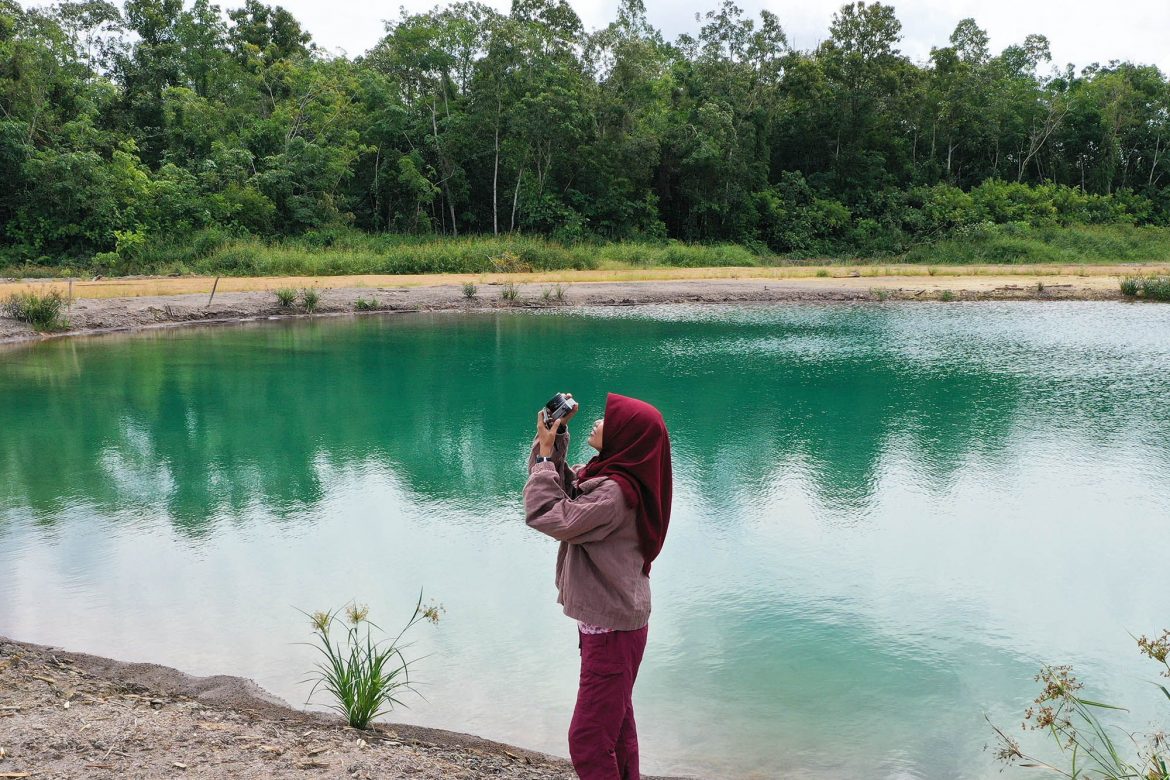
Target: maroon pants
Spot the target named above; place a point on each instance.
(603, 740)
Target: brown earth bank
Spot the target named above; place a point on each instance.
(121, 305)
(69, 715)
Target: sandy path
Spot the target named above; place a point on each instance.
(818, 276)
(131, 304)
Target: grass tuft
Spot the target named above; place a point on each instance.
(510, 292)
(286, 296)
(1152, 288)
(43, 312)
(362, 304)
(470, 290)
(310, 299)
(365, 677)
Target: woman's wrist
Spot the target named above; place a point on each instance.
(544, 452)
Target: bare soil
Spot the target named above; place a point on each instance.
(68, 715)
(134, 311)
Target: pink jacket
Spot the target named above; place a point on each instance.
(599, 565)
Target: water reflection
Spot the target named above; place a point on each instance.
(201, 425)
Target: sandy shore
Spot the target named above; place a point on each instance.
(131, 304)
(69, 715)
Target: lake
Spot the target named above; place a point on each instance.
(886, 517)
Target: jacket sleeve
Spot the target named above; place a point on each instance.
(560, 450)
(590, 517)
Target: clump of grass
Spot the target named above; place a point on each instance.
(1152, 288)
(310, 299)
(510, 292)
(559, 292)
(362, 304)
(364, 676)
(946, 296)
(42, 312)
(470, 290)
(932, 270)
(879, 293)
(546, 295)
(286, 296)
(822, 272)
(1083, 740)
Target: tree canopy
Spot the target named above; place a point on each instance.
(121, 124)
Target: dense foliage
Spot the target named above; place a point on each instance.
(124, 127)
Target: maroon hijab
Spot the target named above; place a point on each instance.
(635, 453)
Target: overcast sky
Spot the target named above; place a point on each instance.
(1080, 31)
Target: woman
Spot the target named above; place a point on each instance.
(610, 516)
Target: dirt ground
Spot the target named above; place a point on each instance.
(68, 715)
(131, 304)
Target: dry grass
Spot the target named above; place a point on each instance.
(814, 274)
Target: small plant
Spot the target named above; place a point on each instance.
(1157, 288)
(946, 296)
(1152, 288)
(42, 312)
(546, 295)
(879, 293)
(932, 271)
(822, 272)
(559, 292)
(309, 299)
(286, 296)
(510, 292)
(470, 290)
(361, 304)
(1040, 288)
(364, 676)
(1084, 741)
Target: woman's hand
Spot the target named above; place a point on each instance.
(545, 436)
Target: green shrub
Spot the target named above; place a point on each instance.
(470, 290)
(1130, 286)
(510, 292)
(946, 296)
(42, 312)
(363, 676)
(559, 292)
(310, 298)
(286, 296)
(361, 304)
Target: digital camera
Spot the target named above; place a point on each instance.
(557, 407)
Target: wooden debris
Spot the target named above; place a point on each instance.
(179, 765)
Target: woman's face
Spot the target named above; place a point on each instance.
(594, 439)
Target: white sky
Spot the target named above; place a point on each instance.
(1080, 31)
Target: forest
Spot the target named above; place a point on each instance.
(132, 133)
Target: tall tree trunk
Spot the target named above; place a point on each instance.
(496, 175)
(516, 198)
(446, 172)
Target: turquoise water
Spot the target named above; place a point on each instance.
(886, 516)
